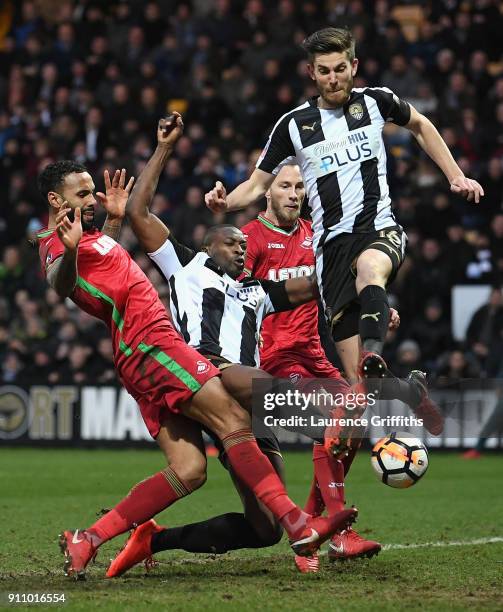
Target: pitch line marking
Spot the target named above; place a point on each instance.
(443, 544)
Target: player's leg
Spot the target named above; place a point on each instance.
(214, 408)
(331, 474)
(181, 441)
(255, 528)
(264, 525)
(377, 262)
(373, 269)
(189, 385)
(337, 273)
(238, 381)
(345, 334)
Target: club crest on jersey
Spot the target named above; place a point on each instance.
(295, 377)
(275, 245)
(202, 367)
(356, 111)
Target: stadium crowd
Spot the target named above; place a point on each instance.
(88, 80)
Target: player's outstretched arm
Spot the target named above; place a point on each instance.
(285, 295)
(114, 201)
(302, 290)
(148, 228)
(62, 274)
(245, 194)
(430, 141)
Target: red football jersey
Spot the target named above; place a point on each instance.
(277, 254)
(110, 286)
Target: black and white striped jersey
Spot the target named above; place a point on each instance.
(214, 313)
(342, 158)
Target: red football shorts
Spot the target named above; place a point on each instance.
(297, 368)
(161, 373)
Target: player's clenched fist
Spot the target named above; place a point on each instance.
(169, 129)
(70, 232)
(467, 188)
(216, 198)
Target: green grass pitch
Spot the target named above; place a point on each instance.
(43, 491)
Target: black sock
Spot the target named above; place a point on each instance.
(374, 318)
(216, 536)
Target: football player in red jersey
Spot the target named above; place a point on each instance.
(169, 380)
(229, 531)
(279, 246)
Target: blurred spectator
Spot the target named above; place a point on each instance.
(75, 368)
(485, 326)
(90, 79)
(431, 330)
(408, 357)
(102, 366)
(11, 368)
(401, 77)
(492, 427)
(456, 367)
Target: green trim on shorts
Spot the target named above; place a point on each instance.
(171, 365)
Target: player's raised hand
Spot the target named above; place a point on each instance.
(116, 193)
(169, 129)
(216, 198)
(467, 188)
(69, 232)
(394, 319)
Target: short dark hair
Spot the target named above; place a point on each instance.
(329, 40)
(212, 232)
(53, 175)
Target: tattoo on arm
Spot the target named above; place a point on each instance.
(112, 228)
(62, 274)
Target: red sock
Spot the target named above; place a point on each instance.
(329, 474)
(314, 504)
(145, 500)
(348, 460)
(252, 467)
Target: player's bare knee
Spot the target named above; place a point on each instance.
(191, 472)
(372, 268)
(236, 417)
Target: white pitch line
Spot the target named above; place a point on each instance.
(443, 544)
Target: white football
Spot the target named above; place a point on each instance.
(399, 460)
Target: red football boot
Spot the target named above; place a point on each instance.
(349, 545)
(427, 410)
(319, 529)
(308, 565)
(136, 549)
(78, 549)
